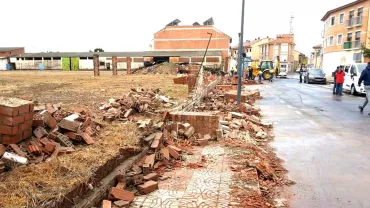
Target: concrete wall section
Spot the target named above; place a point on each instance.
(3, 63)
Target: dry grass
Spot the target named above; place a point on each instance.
(35, 185)
(81, 88)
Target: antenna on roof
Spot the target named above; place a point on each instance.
(196, 24)
(174, 23)
(291, 23)
(209, 22)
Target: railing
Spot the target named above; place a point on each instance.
(351, 45)
(354, 21)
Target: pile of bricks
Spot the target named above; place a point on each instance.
(41, 132)
(137, 101)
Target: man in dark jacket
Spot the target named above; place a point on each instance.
(300, 74)
(365, 76)
(335, 81)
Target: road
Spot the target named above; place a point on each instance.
(324, 141)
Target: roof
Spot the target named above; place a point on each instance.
(340, 8)
(194, 26)
(6, 49)
(248, 44)
(124, 54)
(317, 46)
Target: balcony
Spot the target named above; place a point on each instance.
(354, 22)
(351, 45)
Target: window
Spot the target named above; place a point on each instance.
(360, 12)
(340, 39)
(341, 18)
(358, 35)
(349, 37)
(332, 21)
(351, 14)
(331, 40)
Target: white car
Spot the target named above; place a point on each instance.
(283, 71)
(353, 73)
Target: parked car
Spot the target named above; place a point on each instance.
(314, 76)
(353, 73)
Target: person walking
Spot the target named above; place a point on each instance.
(233, 67)
(365, 77)
(250, 77)
(335, 83)
(272, 72)
(300, 74)
(339, 77)
(260, 76)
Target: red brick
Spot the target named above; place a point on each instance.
(24, 109)
(148, 187)
(24, 126)
(12, 121)
(183, 80)
(73, 136)
(150, 159)
(87, 138)
(203, 142)
(121, 185)
(8, 130)
(106, 204)
(173, 153)
(34, 149)
(9, 111)
(175, 148)
(28, 116)
(49, 120)
(151, 177)
(27, 133)
(11, 139)
(119, 194)
(49, 147)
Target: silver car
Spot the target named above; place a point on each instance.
(314, 76)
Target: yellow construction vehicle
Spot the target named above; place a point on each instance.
(265, 66)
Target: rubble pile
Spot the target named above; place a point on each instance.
(53, 132)
(139, 100)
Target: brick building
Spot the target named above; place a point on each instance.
(346, 30)
(193, 38)
(281, 48)
(6, 53)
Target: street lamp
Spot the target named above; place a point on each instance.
(240, 68)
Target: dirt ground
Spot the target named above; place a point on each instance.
(38, 185)
(81, 88)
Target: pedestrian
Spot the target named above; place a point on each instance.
(277, 72)
(339, 78)
(250, 73)
(233, 67)
(272, 72)
(300, 74)
(365, 76)
(335, 83)
(260, 76)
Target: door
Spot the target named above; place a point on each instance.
(347, 78)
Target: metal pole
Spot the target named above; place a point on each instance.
(240, 68)
(209, 41)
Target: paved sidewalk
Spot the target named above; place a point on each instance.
(185, 187)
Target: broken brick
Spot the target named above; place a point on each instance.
(146, 169)
(121, 185)
(122, 203)
(165, 153)
(106, 204)
(34, 149)
(203, 142)
(150, 159)
(148, 187)
(87, 138)
(49, 147)
(74, 136)
(69, 125)
(265, 170)
(151, 177)
(175, 148)
(17, 150)
(2, 149)
(138, 179)
(156, 141)
(48, 119)
(188, 133)
(128, 113)
(40, 132)
(173, 153)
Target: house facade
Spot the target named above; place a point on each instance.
(345, 32)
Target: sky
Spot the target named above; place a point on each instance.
(129, 25)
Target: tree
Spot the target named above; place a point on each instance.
(98, 50)
(365, 51)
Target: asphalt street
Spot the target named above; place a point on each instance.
(324, 141)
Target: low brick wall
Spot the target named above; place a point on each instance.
(203, 122)
(15, 122)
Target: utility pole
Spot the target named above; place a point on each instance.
(240, 57)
